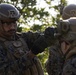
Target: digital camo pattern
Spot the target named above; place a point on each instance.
(13, 59)
(69, 67)
(59, 64)
(55, 61)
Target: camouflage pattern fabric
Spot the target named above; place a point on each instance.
(13, 59)
(69, 67)
(55, 60)
(59, 64)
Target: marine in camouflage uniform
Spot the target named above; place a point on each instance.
(14, 60)
(15, 55)
(56, 59)
(65, 63)
(68, 46)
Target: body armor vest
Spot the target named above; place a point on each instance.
(16, 50)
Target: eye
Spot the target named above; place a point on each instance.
(9, 23)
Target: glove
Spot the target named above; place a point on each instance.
(43, 41)
(50, 32)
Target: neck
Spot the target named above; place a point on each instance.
(64, 47)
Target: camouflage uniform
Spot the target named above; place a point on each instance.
(60, 63)
(69, 67)
(70, 63)
(55, 60)
(13, 59)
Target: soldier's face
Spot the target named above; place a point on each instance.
(9, 27)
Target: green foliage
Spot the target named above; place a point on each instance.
(43, 58)
(19, 29)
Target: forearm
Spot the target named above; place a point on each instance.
(41, 43)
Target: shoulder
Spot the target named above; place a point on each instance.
(70, 66)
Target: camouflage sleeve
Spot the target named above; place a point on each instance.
(70, 67)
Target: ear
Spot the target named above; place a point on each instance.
(64, 47)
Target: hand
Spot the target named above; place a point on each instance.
(30, 55)
(50, 31)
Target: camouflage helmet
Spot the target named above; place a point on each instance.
(69, 11)
(67, 28)
(8, 11)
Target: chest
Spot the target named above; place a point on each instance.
(16, 48)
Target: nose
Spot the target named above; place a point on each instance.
(13, 26)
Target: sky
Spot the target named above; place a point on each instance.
(42, 4)
(71, 1)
